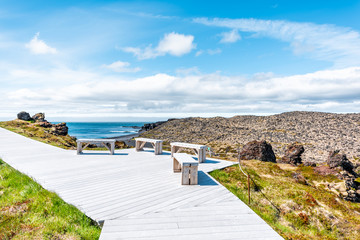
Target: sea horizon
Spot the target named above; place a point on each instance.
(103, 129)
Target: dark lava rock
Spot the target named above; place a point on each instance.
(59, 129)
(39, 117)
(309, 164)
(24, 116)
(149, 126)
(121, 145)
(45, 124)
(293, 154)
(336, 159)
(352, 189)
(260, 150)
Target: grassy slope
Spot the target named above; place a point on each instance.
(295, 210)
(40, 134)
(27, 211)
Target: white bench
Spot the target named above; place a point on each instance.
(188, 167)
(157, 144)
(108, 143)
(199, 150)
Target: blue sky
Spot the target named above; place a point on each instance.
(123, 60)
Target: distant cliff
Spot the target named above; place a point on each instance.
(318, 132)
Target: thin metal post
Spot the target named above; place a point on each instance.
(248, 179)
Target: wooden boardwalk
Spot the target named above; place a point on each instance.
(136, 194)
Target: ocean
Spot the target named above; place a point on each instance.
(103, 129)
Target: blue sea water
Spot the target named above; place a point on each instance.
(103, 129)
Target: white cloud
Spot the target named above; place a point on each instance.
(209, 52)
(176, 44)
(339, 45)
(230, 37)
(330, 90)
(119, 66)
(38, 46)
(214, 51)
(172, 43)
(198, 53)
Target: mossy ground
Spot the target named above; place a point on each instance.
(32, 130)
(296, 210)
(28, 211)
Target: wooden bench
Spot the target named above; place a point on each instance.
(200, 150)
(188, 167)
(157, 144)
(108, 143)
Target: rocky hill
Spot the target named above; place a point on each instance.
(36, 127)
(318, 132)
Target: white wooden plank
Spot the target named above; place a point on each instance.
(138, 190)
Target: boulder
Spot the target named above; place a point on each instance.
(352, 188)
(309, 164)
(260, 150)
(121, 145)
(39, 117)
(293, 154)
(59, 129)
(336, 159)
(45, 124)
(24, 116)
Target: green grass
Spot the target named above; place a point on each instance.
(28, 211)
(296, 210)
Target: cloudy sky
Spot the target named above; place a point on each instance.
(122, 60)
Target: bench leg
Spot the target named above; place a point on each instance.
(157, 148)
(160, 148)
(112, 148)
(139, 145)
(202, 155)
(194, 175)
(189, 174)
(185, 179)
(173, 150)
(176, 166)
(79, 148)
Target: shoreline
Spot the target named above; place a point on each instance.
(126, 138)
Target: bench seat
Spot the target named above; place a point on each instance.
(157, 144)
(188, 167)
(108, 143)
(200, 150)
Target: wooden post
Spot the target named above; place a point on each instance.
(112, 148)
(248, 180)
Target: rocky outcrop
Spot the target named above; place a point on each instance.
(24, 116)
(59, 129)
(149, 126)
(260, 150)
(318, 132)
(39, 117)
(339, 161)
(293, 154)
(45, 124)
(352, 192)
(336, 159)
